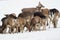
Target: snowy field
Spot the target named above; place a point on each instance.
(48, 34)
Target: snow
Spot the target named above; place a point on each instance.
(49, 34)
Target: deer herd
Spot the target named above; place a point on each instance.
(34, 19)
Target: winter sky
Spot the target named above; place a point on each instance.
(15, 6)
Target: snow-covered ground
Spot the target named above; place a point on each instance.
(49, 34)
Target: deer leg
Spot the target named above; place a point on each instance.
(21, 28)
(9, 30)
(16, 29)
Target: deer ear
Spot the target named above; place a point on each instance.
(59, 15)
(6, 14)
